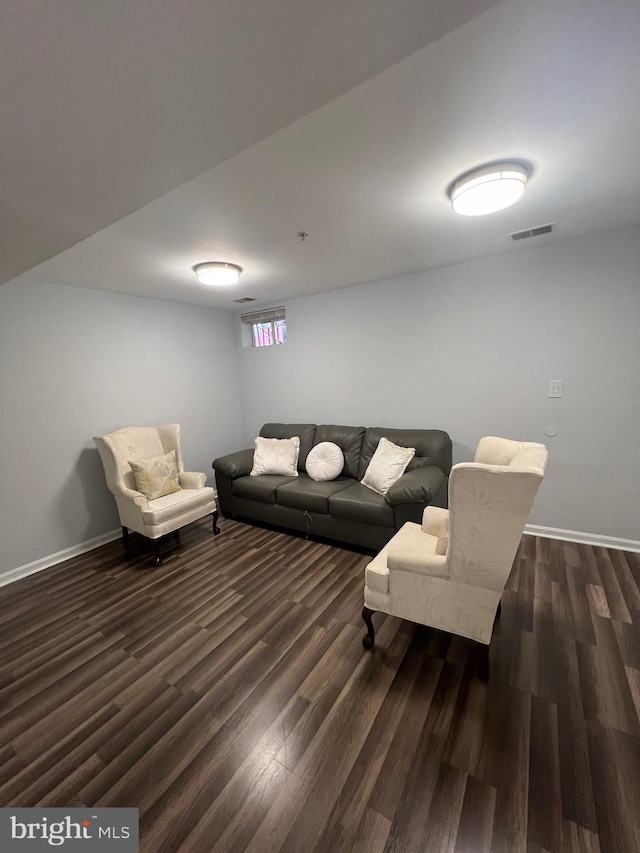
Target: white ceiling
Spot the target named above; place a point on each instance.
(303, 121)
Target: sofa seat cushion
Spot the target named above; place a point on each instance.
(165, 508)
(261, 488)
(305, 493)
(358, 503)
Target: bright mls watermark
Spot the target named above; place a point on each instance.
(79, 830)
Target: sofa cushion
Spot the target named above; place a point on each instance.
(308, 494)
(387, 465)
(325, 461)
(349, 440)
(261, 488)
(433, 447)
(358, 503)
(276, 456)
(306, 432)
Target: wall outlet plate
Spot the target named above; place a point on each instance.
(555, 387)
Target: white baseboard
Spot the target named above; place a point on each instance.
(584, 538)
(59, 557)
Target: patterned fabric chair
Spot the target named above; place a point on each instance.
(184, 500)
(450, 571)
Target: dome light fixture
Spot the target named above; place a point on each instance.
(489, 188)
(217, 273)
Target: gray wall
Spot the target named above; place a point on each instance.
(75, 363)
(471, 349)
(468, 348)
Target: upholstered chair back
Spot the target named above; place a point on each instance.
(118, 448)
(489, 503)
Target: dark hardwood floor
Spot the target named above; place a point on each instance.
(227, 695)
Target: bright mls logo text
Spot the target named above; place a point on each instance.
(108, 829)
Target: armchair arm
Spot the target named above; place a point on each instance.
(192, 479)
(417, 486)
(235, 464)
(137, 497)
(435, 521)
(409, 560)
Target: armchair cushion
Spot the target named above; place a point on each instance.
(156, 477)
(387, 465)
(166, 507)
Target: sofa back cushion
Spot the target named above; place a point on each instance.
(433, 446)
(305, 431)
(349, 440)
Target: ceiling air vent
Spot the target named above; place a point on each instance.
(245, 299)
(532, 232)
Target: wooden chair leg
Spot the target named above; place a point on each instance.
(216, 529)
(157, 560)
(369, 638)
(482, 666)
(125, 537)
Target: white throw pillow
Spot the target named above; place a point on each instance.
(156, 477)
(276, 456)
(325, 461)
(387, 465)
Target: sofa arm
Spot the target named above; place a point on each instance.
(192, 479)
(234, 465)
(417, 486)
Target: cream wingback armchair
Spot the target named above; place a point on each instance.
(450, 571)
(188, 498)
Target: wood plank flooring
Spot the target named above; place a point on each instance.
(228, 697)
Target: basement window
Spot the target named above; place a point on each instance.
(268, 327)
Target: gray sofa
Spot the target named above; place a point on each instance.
(341, 509)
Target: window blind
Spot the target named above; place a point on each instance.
(267, 315)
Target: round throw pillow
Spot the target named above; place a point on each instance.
(325, 461)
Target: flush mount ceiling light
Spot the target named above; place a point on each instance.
(217, 272)
(488, 189)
